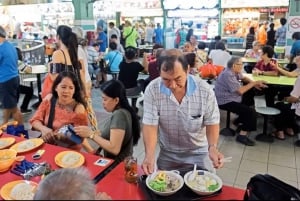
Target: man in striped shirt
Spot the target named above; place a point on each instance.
(181, 113)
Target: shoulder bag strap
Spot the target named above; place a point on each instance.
(113, 58)
(129, 34)
(52, 112)
(200, 58)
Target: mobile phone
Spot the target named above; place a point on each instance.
(102, 162)
(73, 136)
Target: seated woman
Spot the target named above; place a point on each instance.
(191, 59)
(69, 108)
(129, 72)
(285, 121)
(267, 66)
(122, 130)
(255, 53)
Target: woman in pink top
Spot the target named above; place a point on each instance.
(69, 109)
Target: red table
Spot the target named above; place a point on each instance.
(48, 156)
(115, 185)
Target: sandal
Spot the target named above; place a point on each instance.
(289, 131)
(279, 135)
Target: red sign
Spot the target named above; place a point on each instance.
(274, 10)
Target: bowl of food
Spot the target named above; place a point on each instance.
(7, 158)
(203, 182)
(165, 183)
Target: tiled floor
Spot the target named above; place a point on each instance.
(280, 159)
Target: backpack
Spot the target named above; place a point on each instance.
(267, 187)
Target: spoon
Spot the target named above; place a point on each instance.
(194, 173)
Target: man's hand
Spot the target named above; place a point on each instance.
(148, 165)
(216, 157)
(260, 84)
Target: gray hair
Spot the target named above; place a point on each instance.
(232, 61)
(78, 31)
(66, 184)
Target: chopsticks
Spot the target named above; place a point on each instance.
(226, 159)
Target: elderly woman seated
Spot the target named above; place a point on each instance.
(255, 53)
(68, 108)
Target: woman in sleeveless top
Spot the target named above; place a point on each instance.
(69, 109)
(64, 59)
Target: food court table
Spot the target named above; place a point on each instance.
(48, 156)
(121, 190)
(275, 80)
(254, 60)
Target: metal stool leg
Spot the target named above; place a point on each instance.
(227, 131)
(264, 137)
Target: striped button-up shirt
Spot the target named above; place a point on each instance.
(181, 125)
(226, 87)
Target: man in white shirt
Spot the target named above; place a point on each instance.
(113, 30)
(219, 56)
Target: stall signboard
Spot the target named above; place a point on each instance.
(293, 23)
(253, 3)
(195, 4)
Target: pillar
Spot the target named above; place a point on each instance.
(84, 16)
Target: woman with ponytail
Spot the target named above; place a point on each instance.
(122, 130)
(65, 58)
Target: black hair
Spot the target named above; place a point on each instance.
(267, 49)
(251, 30)
(130, 52)
(167, 59)
(271, 25)
(296, 36)
(201, 45)
(283, 21)
(114, 36)
(116, 89)
(69, 39)
(220, 46)
(112, 45)
(218, 37)
(19, 53)
(77, 93)
(190, 58)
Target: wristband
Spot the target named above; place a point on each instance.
(92, 135)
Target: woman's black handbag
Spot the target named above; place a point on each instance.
(267, 187)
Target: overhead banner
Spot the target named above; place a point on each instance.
(253, 3)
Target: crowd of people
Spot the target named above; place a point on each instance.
(180, 110)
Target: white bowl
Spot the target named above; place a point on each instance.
(204, 179)
(172, 174)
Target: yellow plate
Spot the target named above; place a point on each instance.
(69, 159)
(27, 145)
(6, 142)
(7, 188)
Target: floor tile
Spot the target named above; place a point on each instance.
(284, 173)
(253, 166)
